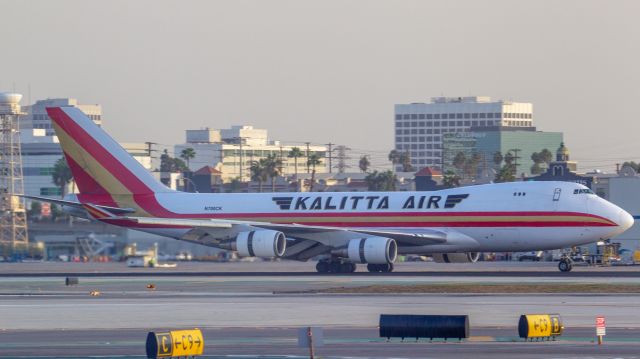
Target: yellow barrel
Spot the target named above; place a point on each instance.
(175, 343)
(540, 326)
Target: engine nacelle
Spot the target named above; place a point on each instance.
(470, 257)
(262, 243)
(375, 250)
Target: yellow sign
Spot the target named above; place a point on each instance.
(540, 325)
(177, 343)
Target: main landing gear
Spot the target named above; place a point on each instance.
(335, 266)
(565, 264)
(380, 268)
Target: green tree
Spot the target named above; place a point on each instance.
(506, 174)
(313, 161)
(56, 212)
(471, 165)
(498, 158)
(259, 172)
(381, 181)
(401, 158)
(509, 158)
(459, 160)
(451, 180)
(394, 157)
(61, 175)
(234, 185)
(273, 166)
(170, 164)
(632, 164)
(541, 161)
(36, 209)
(187, 155)
(295, 153)
(405, 161)
(536, 168)
(546, 156)
(364, 163)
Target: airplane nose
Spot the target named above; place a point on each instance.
(625, 220)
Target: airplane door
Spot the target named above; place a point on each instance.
(557, 193)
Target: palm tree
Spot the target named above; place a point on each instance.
(364, 163)
(295, 153)
(234, 185)
(187, 154)
(381, 181)
(498, 158)
(61, 175)
(258, 170)
(405, 161)
(273, 166)
(459, 160)
(313, 161)
(506, 174)
(394, 157)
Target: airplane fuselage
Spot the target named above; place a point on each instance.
(517, 216)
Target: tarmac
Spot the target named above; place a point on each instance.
(253, 315)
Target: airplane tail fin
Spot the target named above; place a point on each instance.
(99, 165)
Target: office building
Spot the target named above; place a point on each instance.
(486, 142)
(419, 127)
(231, 151)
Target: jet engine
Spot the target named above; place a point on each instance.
(261, 243)
(470, 257)
(374, 250)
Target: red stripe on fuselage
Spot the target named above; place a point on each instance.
(470, 224)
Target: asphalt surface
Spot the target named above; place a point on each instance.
(338, 342)
(292, 268)
(242, 314)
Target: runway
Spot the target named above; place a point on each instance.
(292, 268)
(256, 316)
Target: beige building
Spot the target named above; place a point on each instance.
(232, 150)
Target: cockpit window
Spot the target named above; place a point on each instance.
(582, 191)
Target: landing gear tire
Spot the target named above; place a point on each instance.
(380, 268)
(322, 267)
(347, 267)
(565, 265)
(325, 266)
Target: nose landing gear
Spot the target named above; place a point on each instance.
(566, 264)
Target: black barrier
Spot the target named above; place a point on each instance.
(71, 281)
(424, 326)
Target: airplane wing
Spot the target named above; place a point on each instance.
(305, 241)
(63, 202)
(297, 230)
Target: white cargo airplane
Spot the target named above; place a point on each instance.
(342, 229)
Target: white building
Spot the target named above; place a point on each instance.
(419, 126)
(41, 149)
(232, 150)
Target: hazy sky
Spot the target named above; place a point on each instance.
(331, 71)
